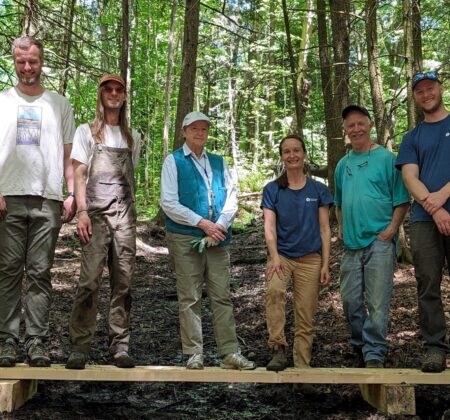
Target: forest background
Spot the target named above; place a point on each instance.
(259, 68)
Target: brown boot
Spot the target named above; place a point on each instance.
(279, 360)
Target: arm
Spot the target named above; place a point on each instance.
(69, 203)
(397, 219)
(431, 202)
(339, 220)
(325, 236)
(270, 235)
(84, 226)
(3, 208)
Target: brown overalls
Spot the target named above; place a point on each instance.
(110, 204)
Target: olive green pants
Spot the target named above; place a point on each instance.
(28, 238)
(193, 269)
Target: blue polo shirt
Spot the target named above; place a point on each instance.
(297, 214)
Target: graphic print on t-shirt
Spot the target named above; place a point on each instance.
(29, 125)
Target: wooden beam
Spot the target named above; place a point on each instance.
(215, 374)
(390, 399)
(15, 393)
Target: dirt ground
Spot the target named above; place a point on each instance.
(155, 341)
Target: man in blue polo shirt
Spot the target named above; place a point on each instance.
(371, 201)
(423, 158)
(199, 199)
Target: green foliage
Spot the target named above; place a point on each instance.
(242, 55)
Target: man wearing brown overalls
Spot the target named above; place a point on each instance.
(104, 155)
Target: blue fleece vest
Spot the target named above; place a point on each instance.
(193, 193)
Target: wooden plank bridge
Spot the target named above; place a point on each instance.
(389, 390)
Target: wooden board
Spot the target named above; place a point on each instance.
(14, 393)
(215, 374)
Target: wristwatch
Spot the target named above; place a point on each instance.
(70, 194)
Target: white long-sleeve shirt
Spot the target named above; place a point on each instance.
(169, 191)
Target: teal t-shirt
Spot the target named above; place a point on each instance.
(367, 189)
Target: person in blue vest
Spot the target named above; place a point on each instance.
(199, 199)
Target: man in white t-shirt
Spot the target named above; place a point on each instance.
(36, 131)
(104, 156)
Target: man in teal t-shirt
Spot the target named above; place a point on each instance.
(371, 201)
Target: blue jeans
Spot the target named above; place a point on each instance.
(366, 290)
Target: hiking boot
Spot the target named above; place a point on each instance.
(123, 360)
(374, 364)
(237, 361)
(195, 362)
(8, 353)
(76, 360)
(358, 359)
(434, 361)
(37, 353)
(279, 360)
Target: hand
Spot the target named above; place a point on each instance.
(434, 201)
(84, 227)
(3, 209)
(274, 266)
(442, 219)
(324, 276)
(339, 235)
(387, 234)
(213, 230)
(69, 209)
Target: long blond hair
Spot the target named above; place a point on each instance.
(98, 125)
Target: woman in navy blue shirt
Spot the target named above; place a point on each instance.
(297, 234)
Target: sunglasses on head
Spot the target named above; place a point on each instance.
(430, 75)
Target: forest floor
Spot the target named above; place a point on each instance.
(155, 341)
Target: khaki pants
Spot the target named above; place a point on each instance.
(192, 270)
(28, 238)
(113, 239)
(305, 274)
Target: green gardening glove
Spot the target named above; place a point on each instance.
(202, 243)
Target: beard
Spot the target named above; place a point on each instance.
(433, 107)
(32, 80)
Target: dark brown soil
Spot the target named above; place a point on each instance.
(155, 341)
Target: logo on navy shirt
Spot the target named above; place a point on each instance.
(311, 199)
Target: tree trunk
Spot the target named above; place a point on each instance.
(168, 84)
(382, 120)
(29, 22)
(188, 68)
(68, 46)
(298, 114)
(303, 84)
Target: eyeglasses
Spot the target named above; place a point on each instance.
(359, 165)
(110, 89)
(430, 75)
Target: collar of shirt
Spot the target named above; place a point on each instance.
(187, 151)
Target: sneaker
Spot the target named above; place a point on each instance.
(434, 361)
(37, 353)
(195, 362)
(8, 353)
(76, 360)
(123, 360)
(375, 364)
(237, 361)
